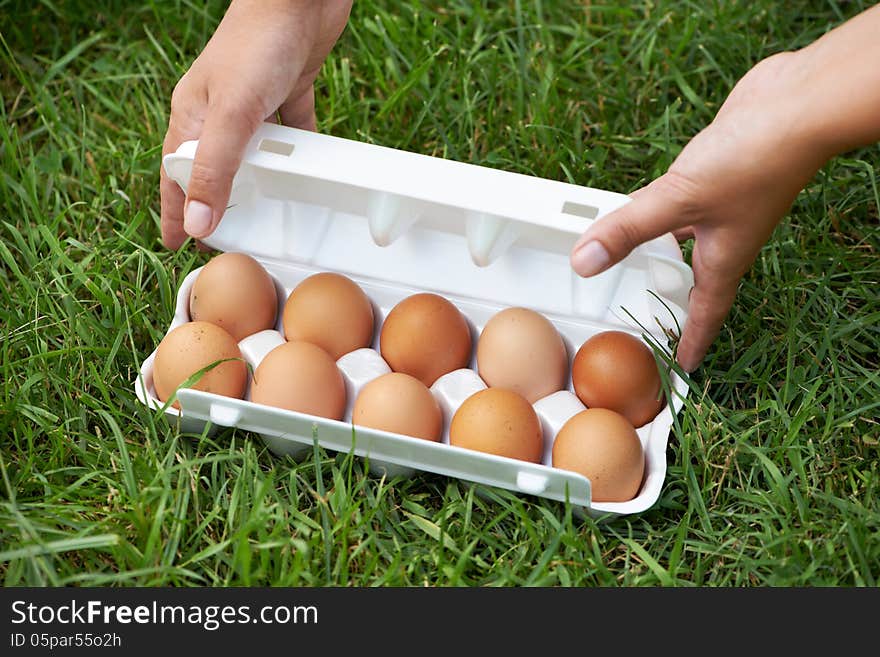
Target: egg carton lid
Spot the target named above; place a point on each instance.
(436, 224)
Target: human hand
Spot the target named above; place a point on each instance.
(263, 57)
(728, 189)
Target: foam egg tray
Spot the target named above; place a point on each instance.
(399, 223)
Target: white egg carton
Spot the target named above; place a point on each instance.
(399, 223)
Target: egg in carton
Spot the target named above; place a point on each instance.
(398, 224)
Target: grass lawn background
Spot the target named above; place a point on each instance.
(773, 470)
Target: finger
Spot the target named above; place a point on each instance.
(170, 194)
(226, 132)
(710, 301)
(663, 206)
(299, 111)
(171, 208)
(684, 234)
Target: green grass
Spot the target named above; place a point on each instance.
(773, 466)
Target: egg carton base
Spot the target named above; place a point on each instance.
(359, 368)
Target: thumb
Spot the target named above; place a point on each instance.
(224, 136)
(664, 205)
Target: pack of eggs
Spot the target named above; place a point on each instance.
(511, 388)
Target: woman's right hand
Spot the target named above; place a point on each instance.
(728, 189)
(734, 181)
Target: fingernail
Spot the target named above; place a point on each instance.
(590, 259)
(197, 218)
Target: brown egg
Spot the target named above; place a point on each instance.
(498, 421)
(399, 403)
(331, 311)
(191, 347)
(616, 370)
(425, 336)
(300, 376)
(603, 446)
(234, 292)
(521, 350)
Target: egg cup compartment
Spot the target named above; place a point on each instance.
(397, 224)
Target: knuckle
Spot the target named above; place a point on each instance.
(186, 109)
(205, 177)
(179, 96)
(679, 189)
(239, 110)
(707, 312)
(626, 236)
